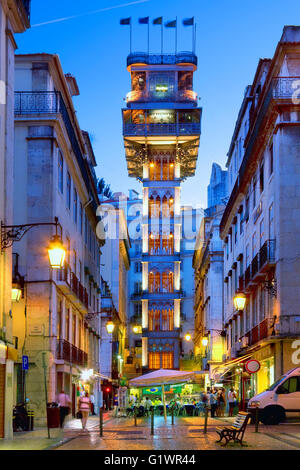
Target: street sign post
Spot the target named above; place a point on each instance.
(25, 363)
(252, 366)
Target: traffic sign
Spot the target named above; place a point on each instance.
(252, 366)
(25, 362)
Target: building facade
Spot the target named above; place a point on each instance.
(57, 320)
(14, 18)
(260, 226)
(208, 267)
(161, 129)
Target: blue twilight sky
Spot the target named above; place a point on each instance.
(231, 37)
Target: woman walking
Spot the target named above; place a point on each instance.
(84, 408)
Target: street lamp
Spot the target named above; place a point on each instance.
(188, 337)
(15, 233)
(135, 329)
(16, 291)
(110, 326)
(56, 252)
(239, 301)
(204, 341)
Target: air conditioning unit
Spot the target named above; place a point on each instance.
(245, 341)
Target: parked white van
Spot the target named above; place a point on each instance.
(279, 401)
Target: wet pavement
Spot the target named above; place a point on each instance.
(187, 433)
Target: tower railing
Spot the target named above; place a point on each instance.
(190, 128)
(162, 59)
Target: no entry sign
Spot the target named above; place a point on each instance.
(252, 366)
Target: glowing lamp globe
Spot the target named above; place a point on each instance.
(239, 301)
(110, 327)
(204, 341)
(135, 329)
(16, 292)
(188, 337)
(57, 253)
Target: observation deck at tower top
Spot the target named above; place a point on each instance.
(180, 58)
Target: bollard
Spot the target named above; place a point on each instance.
(172, 415)
(152, 421)
(101, 422)
(256, 419)
(31, 419)
(205, 419)
(134, 413)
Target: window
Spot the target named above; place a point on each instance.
(167, 360)
(271, 160)
(74, 330)
(67, 325)
(68, 190)
(261, 177)
(247, 209)
(254, 310)
(254, 249)
(254, 191)
(60, 172)
(154, 360)
(59, 319)
(241, 221)
(80, 217)
(261, 233)
(85, 229)
(291, 385)
(235, 232)
(75, 206)
(271, 222)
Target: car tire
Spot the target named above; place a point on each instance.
(273, 415)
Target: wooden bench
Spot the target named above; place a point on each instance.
(236, 431)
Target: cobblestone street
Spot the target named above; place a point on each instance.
(186, 434)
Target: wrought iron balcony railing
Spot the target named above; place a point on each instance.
(267, 253)
(182, 96)
(161, 59)
(189, 128)
(70, 353)
(285, 87)
(67, 276)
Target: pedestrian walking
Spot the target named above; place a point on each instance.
(64, 403)
(84, 408)
(213, 402)
(231, 401)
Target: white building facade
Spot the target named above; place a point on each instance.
(59, 313)
(261, 223)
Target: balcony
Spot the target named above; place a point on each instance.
(68, 352)
(69, 283)
(161, 59)
(259, 332)
(263, 261)
(153, 129)
(284, 88)
(181, 96)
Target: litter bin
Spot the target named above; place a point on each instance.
(53, 415)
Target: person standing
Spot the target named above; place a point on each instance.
(64, 406)
(231, 401)
(84, 408)
(213, 403)
(92, 398)
(221, 402)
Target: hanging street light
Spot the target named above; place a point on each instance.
(56, 252)
(188, 337)
(239, 301)
(204, 341)
(16, 292)
(110, 326)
